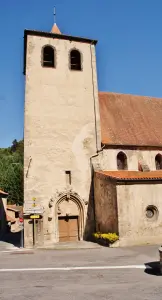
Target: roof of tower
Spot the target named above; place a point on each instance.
(55, 29)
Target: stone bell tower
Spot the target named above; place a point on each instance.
(61, 133)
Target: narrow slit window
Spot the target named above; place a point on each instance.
(68, 177)
(75, 60)
(48, 57)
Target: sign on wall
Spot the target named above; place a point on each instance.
(33, 206)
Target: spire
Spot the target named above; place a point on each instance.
(55, 28)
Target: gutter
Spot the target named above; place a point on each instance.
(127, 146)
(94, 99)
(129, 180)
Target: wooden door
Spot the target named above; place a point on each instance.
(68, 229)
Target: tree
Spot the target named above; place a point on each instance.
(11, 171)
(14, 145)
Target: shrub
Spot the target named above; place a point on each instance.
(109, 237)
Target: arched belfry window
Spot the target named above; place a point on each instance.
(48, 57)
(158, 161)
(122, 161)
(75, 60)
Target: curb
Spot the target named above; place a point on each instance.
(18, 251)
(22, 252)
(66, 249)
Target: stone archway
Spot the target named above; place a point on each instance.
(69, 218)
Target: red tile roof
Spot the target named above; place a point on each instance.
(14, 207)
(10, 219)
(130, 120)
(132, 175)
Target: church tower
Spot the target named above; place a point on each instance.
(61, 132)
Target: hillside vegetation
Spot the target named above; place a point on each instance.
(11, 171)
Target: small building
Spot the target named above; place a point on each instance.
(13, 213)
(3, 220)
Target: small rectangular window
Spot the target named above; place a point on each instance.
(68, 177)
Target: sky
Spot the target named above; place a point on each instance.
(129, 49)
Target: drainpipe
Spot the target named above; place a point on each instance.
(93, 87)
(97, 150)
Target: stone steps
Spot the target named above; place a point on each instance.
(71, 245)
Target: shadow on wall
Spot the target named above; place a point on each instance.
(90, 225)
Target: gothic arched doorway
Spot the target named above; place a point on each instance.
(70, 219)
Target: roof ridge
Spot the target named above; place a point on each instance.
(125, 94)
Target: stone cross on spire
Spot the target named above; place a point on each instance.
(54, 13)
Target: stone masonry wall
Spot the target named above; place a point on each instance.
(109, 162)
(105, 204)
(62, 124)
(134, 226)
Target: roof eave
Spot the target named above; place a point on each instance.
(125, 180)
(3, 194)
(130, 146)
(13, 209)
(59, 36)
(129, 180)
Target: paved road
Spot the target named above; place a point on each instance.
(114, 284)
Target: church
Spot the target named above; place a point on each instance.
(92, 160)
